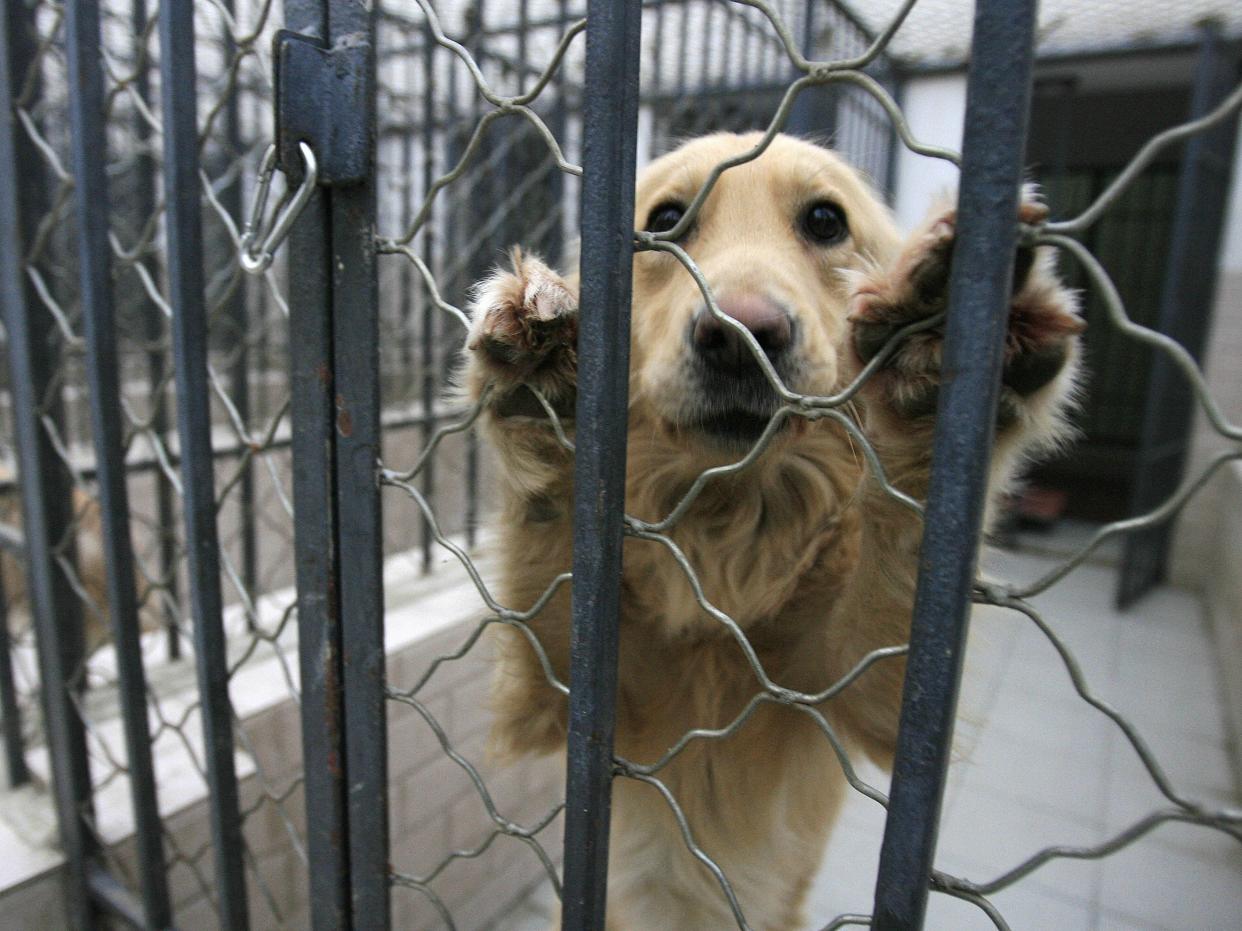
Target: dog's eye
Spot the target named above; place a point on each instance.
(824, 223)
(664, 217)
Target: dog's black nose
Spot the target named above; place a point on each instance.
(722, 347)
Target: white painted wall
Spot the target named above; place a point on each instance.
(935, 108)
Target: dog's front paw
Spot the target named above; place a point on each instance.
(1042, 325)
(525, 325)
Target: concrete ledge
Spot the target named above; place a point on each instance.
(435, 807)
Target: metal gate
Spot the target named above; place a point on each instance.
(123, 240)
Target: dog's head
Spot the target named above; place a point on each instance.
(774, 242)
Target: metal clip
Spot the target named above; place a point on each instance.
(258, 247)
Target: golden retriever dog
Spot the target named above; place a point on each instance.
(90, 567)
(803, 549)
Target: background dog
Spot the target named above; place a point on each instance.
(804, 550)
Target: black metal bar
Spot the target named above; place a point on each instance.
(1187, 297)
(523, 37)
(997, 109)
(355, 313)
(157, 366)
(802, 114)
(557, 122)
(238, 312)
(314, 538)
(405, 309)
(894, 147)
(112, 895)
(609, 131)
(474, 42)
(428, 347)
(16, 770)
(182, 193)
(657, 77)
(46, 484)
(91, 202)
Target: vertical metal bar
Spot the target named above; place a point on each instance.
(314, 537)
(657, 77)
(17, 771)
(408, 289)
(237, 311)
(609, 132)
(730, 72)
(523, 37)
(897, 88)
(427, 356)
(802, 116)
(1187, 296)
(182, 193)
(557, 119)
(359, 528)
(997, 109)
(144, 169)
(474, 42)
(407, 282)
(682, 46)
(46, 486)
(90, 191)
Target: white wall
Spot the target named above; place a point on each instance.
(935, 108)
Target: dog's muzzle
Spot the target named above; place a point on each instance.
(735, 400)
(723, 349)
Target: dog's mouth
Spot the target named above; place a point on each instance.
(735, 429)
(733, 412)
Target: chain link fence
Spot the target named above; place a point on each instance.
(159, 674)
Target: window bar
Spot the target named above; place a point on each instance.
(182, 194)
(87, 123)
(997, 108)
(609, 132)
(314, 537)
(46, 486)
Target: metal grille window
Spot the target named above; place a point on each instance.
(236, 506)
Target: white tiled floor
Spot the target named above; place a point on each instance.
(1035, 766)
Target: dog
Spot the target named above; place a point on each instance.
(804, 549)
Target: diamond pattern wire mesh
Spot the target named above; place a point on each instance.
(516, 98)
(506, 137)
(248, 376)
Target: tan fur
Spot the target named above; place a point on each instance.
(803, 550)
(89, 562)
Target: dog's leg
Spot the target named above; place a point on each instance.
(899, 405)
(523, 336)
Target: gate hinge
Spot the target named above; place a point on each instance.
(322, 100)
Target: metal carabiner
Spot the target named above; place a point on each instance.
(257, 248)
